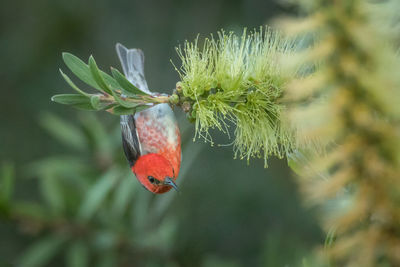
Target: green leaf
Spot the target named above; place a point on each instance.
(123, 195)
(68, 80)
(64, 131)
(78, 101)
(97, 135)
(97, 76)
(41, 252)
(7, 181)
(51, 190)
(119, 110)
(142, 107)
(70, 99)
(98, 104)
(140, 212)
(97, 194)
(77, 255)
(110, 81)
(83, 72)
(125, 84)
(125, 104)
(95, 101)
(58, 165)
(80, 69)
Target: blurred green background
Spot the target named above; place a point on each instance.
(68, 198)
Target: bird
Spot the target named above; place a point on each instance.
(150, 138)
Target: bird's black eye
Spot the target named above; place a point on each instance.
(152, 180)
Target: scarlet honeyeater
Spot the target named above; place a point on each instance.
(150, 138)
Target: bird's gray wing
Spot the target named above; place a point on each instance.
(130, 140)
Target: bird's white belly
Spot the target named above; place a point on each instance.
(157, 128)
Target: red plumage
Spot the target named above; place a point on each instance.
(153, 165)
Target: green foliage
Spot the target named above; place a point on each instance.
(127, 87)
(92, 211)
(239, 80)
(118, 95)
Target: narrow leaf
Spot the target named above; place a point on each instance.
(70, 99)
(97, 194)
(124, 103)
(123, 195)
(57, 165)
(97, 76)
(51, 190)
(95, 101)
(80, 69)
(141, 210)
(68, 80)
(97, 134)
(64, 131)
(119, 110)
(78, 101)
(142, 107)
(83, 106)
(98, 104)
(110, 81)
(125, 84)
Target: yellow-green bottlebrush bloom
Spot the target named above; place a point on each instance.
(238, 80)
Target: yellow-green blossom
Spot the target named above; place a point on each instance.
(239, 79)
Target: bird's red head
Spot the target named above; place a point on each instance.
(155, 173)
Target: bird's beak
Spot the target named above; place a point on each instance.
(170, 182)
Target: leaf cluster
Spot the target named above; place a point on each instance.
(117, 95)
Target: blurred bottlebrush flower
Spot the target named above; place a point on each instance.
(350, 103)
(238, 80)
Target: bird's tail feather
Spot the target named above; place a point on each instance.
(132, 61)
